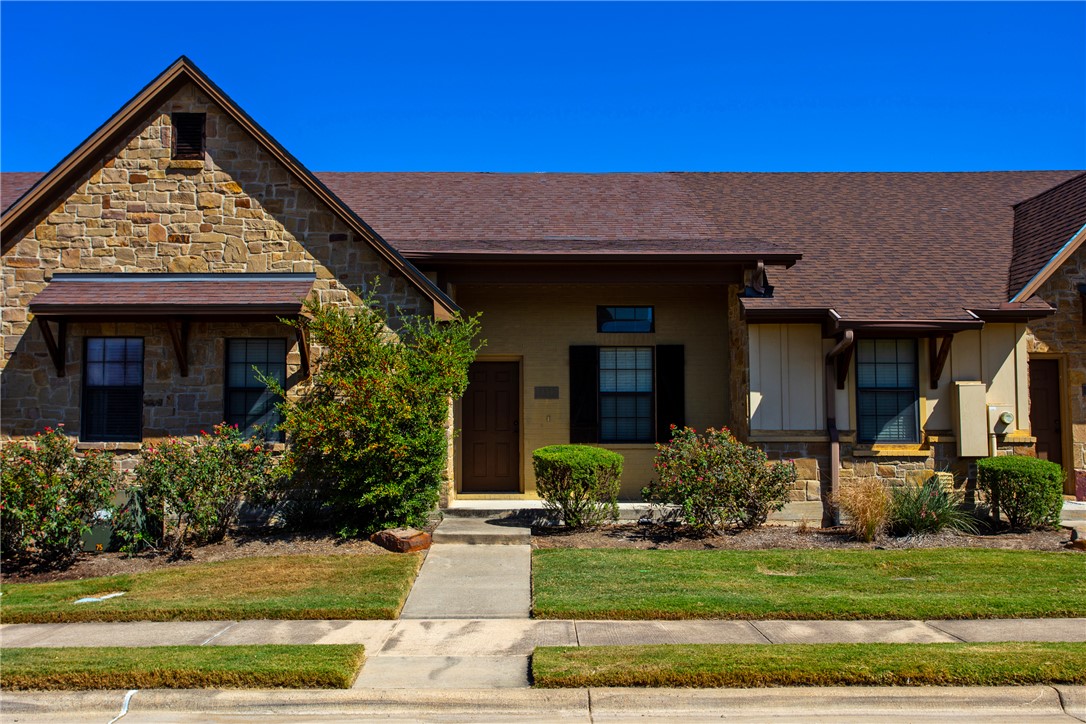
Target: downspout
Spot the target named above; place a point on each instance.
(830, 513)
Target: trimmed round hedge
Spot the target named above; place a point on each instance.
(579, 483)
(1029, 491)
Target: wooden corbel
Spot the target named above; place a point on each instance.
(179, 335)
(55, 345)
(303, 347)
(937, 359)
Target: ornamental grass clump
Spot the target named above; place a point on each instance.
(1028, 491)
(49, 497)
(190, 491)
(868, 505)
(578, 483)
(928, 508)
(368, 436)
(717, 481)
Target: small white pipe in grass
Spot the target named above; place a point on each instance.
(124, 705)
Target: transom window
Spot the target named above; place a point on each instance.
(626, 393)
(624, 319)
(886, 390)
(112, 390)
(249, 403)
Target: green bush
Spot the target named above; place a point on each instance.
(928, 508)
(1029, 491)
(190, 490)
(717, 480)
(579, 483)
(368, 435)
(49, 497)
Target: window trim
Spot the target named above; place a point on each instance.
(601, 311)
(84, 412)
(227, 388)
(915, 437)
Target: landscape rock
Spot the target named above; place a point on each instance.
(402, 540)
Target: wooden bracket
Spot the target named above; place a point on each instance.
(55, 345)
(937, 359)
(841, 364)
(303, 347)
(179, 335)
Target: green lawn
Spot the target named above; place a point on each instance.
(752, 665)
(287, 587)
(785, 584)
(183, 667)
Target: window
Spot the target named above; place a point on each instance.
(249, 403)
(188, 135)
(113, 390)
(626, 394)
(886, 390)
(624, 319)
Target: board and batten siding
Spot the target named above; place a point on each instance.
(787, 385)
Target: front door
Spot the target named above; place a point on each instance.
(491, 431)
(1044, 408)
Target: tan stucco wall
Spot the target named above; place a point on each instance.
(538, 323)
(1064, 336)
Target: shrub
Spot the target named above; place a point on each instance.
(868, 505)
(1028, 490)
(928, 508)
(368, 434)
(192, 489)
(579, 483)
(717, 480)
(49, 496)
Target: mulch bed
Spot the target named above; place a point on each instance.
(676, 537)
(238, 544)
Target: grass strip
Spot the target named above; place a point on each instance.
(282, 587)
(789, 584)
(183, 667)
(759, 665)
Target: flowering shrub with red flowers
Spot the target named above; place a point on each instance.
(718, 481)
(49, 496)
(367, 437)
(191, 490)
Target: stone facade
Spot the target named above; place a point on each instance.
(237, 210)
(1064, 335)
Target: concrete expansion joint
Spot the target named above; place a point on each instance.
(931, 625)
(754, 625)
(211, 638)
(1069, 707)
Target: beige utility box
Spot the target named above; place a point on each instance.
(971, 419)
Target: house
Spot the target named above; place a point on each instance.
(863, 324)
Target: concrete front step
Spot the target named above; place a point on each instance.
(477, 531)
(532, 512)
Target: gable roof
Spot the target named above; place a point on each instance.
(1047, 229)
(43, 193)
(875, 246)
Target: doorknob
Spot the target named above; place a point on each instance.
(516, 425)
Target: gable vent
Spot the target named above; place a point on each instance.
(188, 135)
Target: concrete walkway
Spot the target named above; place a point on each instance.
(493, 653)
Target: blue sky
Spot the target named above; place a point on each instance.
(768, 86)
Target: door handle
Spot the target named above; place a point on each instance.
(516, 425)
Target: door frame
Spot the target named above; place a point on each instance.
(458, 421)
(1067, 432)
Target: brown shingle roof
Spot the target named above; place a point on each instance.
(874, 245)
(141, 295)
(1042, 225)
(14, 184)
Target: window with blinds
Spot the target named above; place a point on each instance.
(249, 403)
(887, 392)
(626, 393)
(112, 409)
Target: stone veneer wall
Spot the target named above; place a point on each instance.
(237, 210)
(1064, 333)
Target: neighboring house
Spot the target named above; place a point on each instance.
(856, 322)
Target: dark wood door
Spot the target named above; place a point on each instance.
(1044, 408)
(491, 431)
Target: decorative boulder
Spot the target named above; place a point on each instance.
(402, 540)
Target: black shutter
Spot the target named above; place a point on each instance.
(670, 389)
(584, 382)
